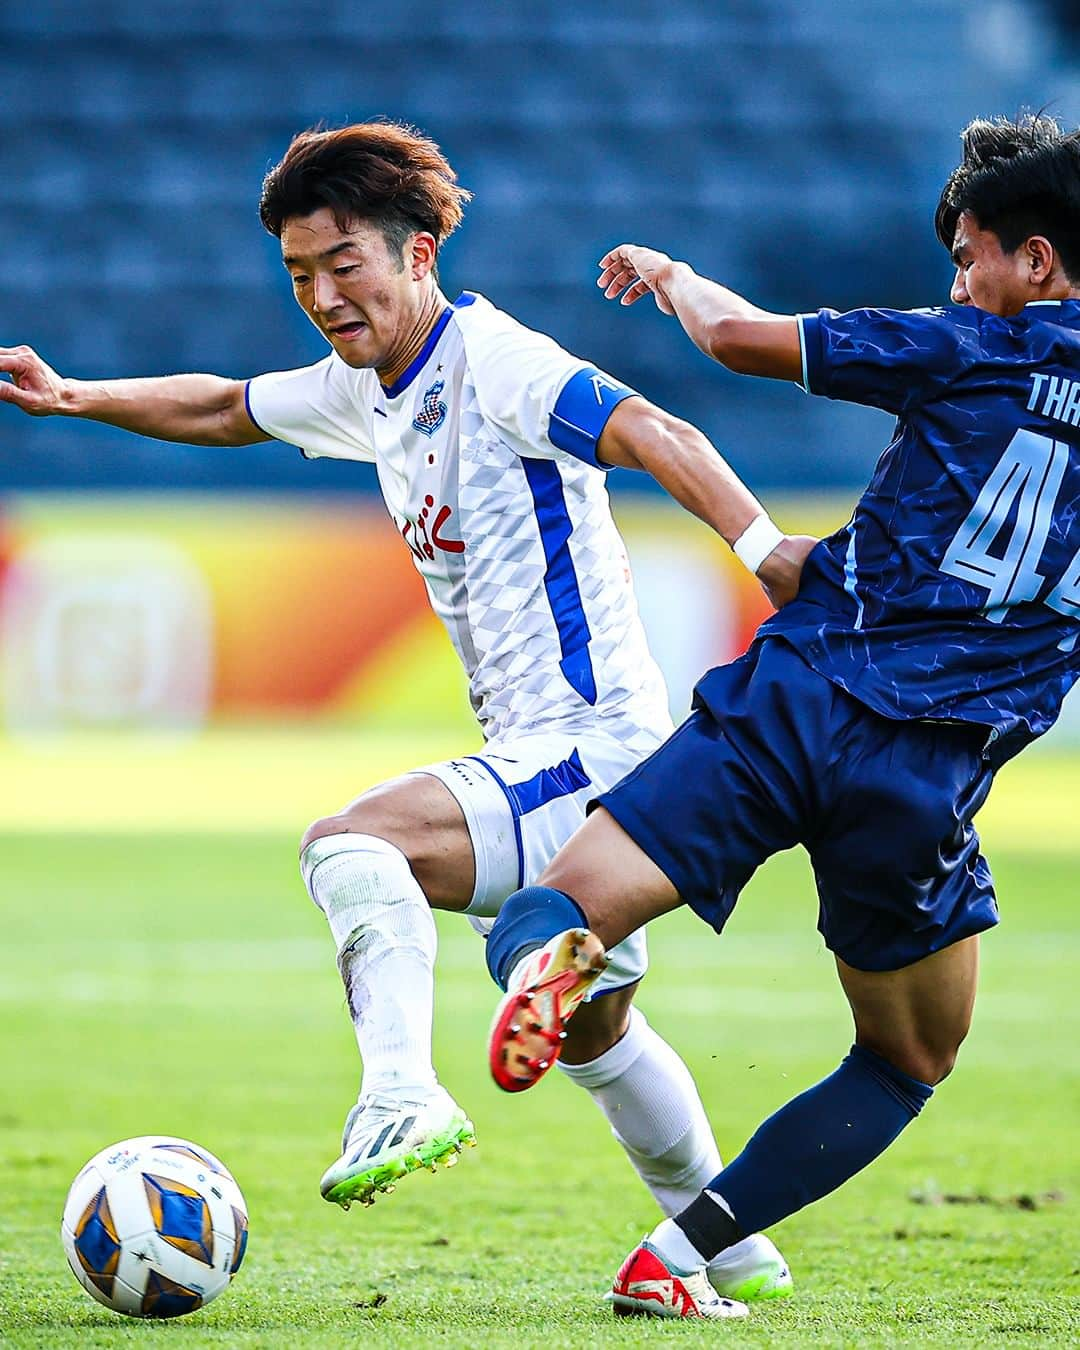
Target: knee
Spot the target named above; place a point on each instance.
(368, 817)
(926, 1061)
(319, 829)
(930, 1064)
(943, 1067)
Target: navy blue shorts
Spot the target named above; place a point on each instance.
(775, 755)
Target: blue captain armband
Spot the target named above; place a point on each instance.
(581, 412)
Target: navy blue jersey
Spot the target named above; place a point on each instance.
(954, 592)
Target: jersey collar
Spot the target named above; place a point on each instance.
(420, 359)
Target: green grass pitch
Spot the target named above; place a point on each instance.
(183, 983)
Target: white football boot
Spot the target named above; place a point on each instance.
(387, 1137)
(754, 1271)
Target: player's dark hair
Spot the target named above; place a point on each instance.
(384, 172)
(1018, 178)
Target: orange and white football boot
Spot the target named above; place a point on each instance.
(545, 989)
(646, 1287)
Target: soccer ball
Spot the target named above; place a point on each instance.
(154, 1227)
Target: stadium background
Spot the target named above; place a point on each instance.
(201, 650)
(795, 150)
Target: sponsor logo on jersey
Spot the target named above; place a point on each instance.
(424, 537)
(432, 413)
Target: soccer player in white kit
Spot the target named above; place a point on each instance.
(490, 443)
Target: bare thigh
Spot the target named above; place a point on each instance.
(916, 1018)
(618, 885)
(419, 815)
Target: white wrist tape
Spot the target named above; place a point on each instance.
(757, 541)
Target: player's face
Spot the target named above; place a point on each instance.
(352, 287)
(986, 276)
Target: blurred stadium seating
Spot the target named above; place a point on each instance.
(794, 148)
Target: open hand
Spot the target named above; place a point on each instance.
(34, 387)
(635, 271)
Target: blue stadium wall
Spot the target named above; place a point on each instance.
(794, 149)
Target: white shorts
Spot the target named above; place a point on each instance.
(523, 798)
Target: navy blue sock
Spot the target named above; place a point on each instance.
(805, 1150)
(526, 921)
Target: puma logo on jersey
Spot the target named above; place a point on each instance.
(432, 413)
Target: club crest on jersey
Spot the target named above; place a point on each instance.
(432, 413)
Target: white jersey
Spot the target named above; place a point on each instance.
(486, 454)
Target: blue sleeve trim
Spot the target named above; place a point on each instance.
(802, 351)
(251, 415)
(810, 340)
(581, 412)
(254, 421)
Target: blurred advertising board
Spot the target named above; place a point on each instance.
(165, 612)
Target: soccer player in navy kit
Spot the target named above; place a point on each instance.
(932, 639)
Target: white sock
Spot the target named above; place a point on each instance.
(652, 1104)
(676, 1250)
(733, 1265)
(385, 935)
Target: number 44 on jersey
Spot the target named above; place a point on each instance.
(1025, 484)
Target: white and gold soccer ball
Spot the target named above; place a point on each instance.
(154, 1227)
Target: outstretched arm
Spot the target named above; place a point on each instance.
(731, 330)
(195, 409)
(638, 435)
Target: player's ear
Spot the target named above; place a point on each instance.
(420, 253)
(1039, 256)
